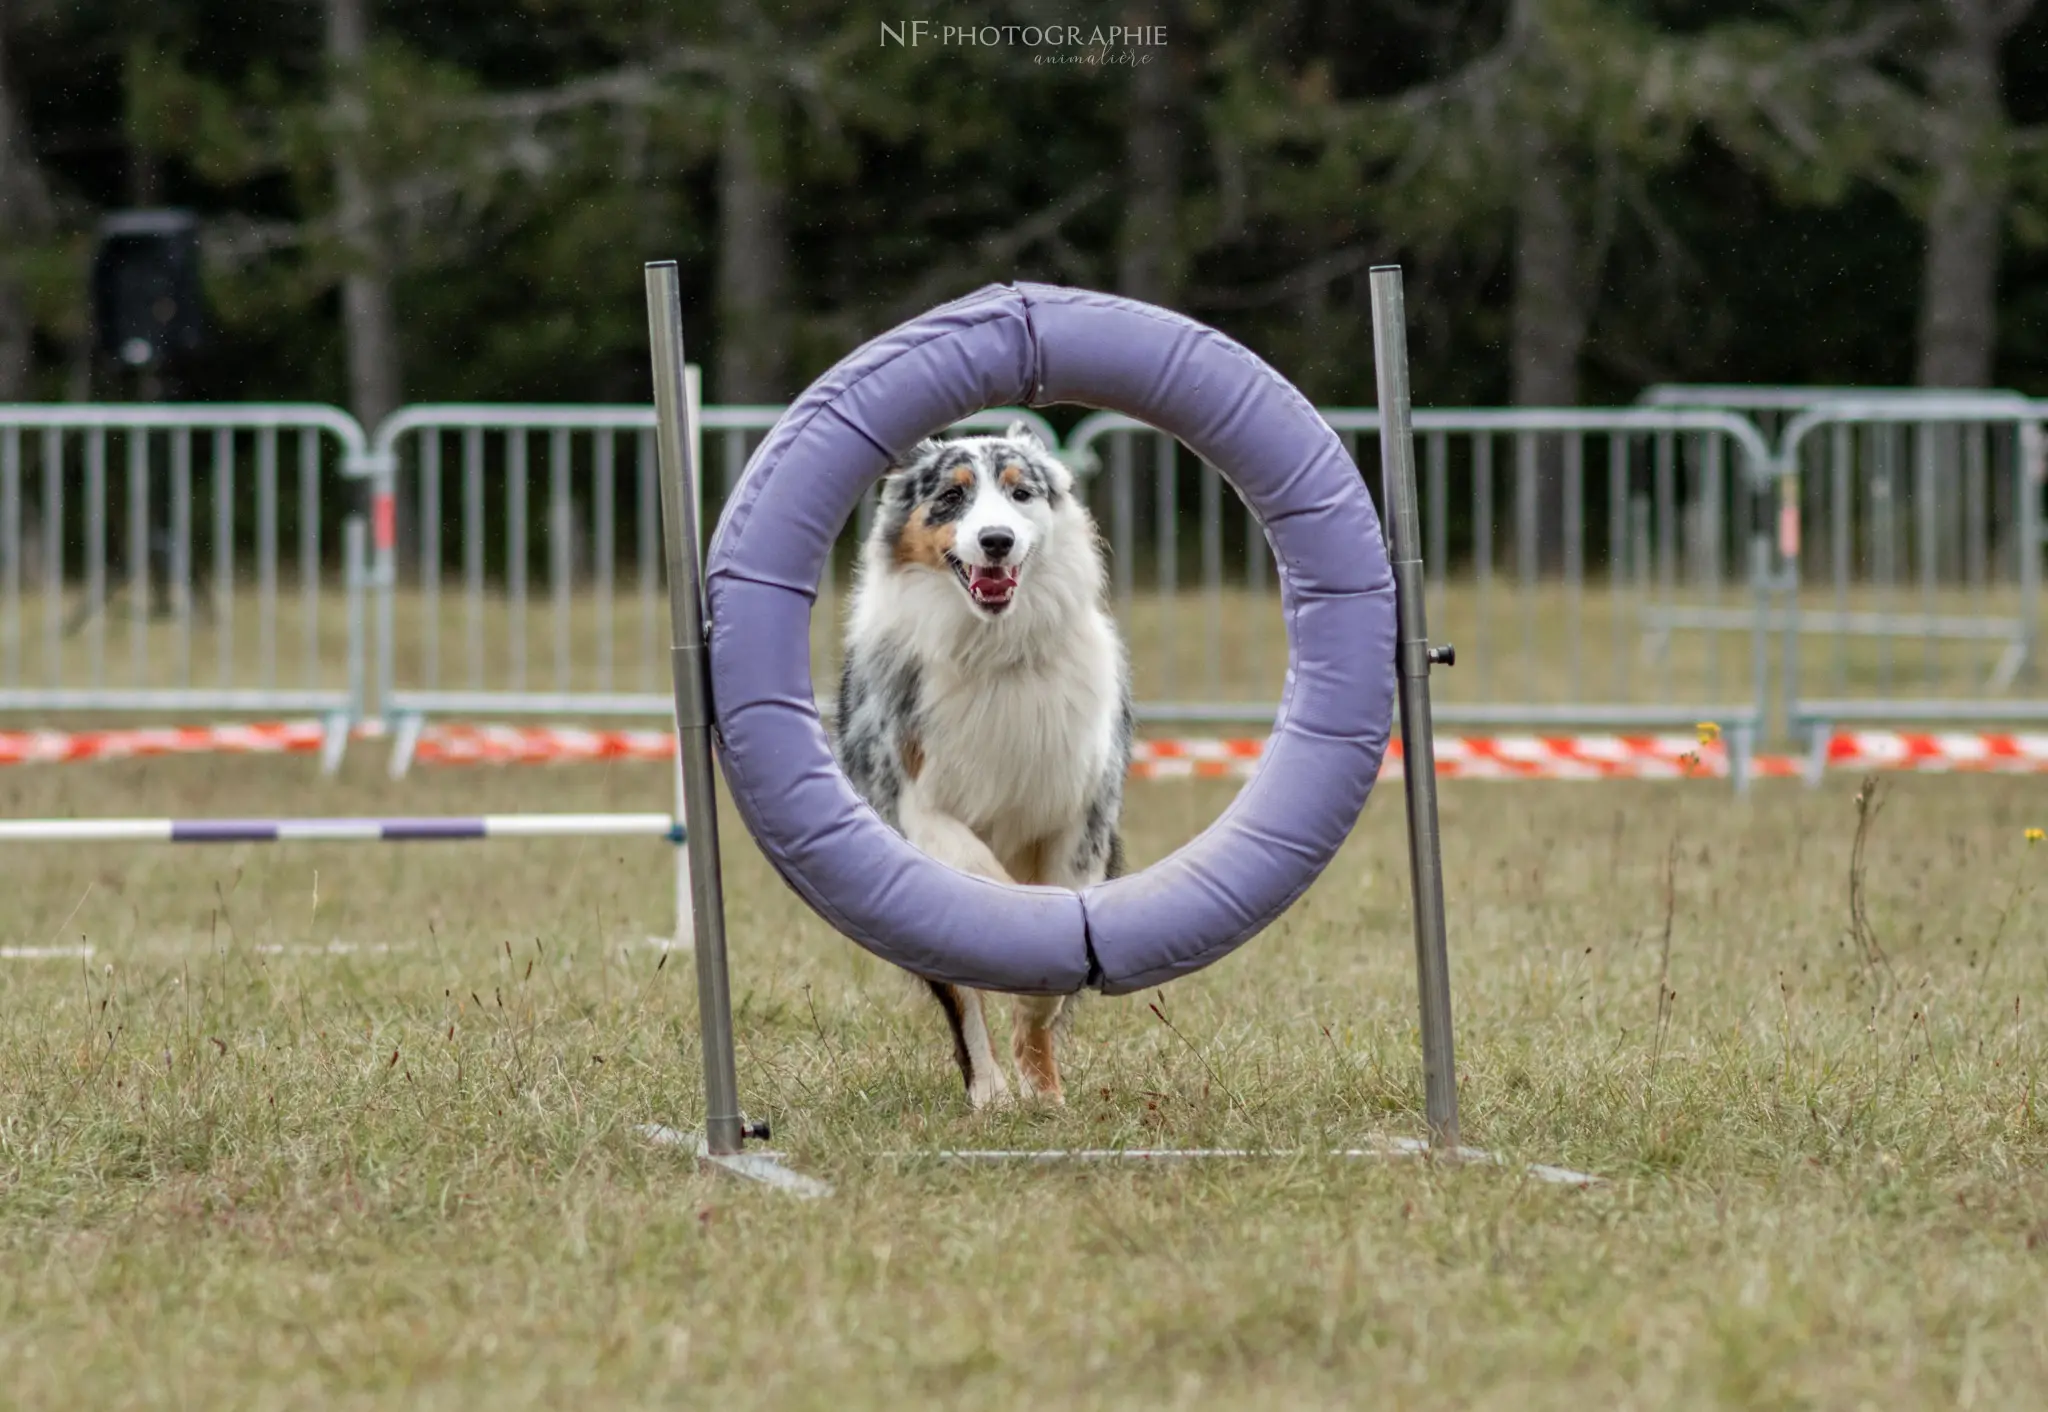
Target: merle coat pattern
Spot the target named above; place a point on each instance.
(984, 710)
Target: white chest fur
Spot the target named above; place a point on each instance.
(1014, 752)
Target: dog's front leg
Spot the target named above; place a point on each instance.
(1078, 861)
(971, 1048)
(1033, 1024)
(951, 842)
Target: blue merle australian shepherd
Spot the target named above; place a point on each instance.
(985, 708)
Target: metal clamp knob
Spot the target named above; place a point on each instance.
(1443, 655)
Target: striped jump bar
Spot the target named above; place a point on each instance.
(398, 830)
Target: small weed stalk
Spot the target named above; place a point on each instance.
(1876, 965)
(1666, 996)
(1158, 1009)
(2022, 889)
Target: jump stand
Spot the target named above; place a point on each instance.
(1033, 345)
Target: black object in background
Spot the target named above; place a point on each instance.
(146, 300)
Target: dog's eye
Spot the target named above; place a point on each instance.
(952, 495)
(1021, 494)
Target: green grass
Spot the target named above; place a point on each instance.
(354, 1126)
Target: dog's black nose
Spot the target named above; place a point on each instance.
(997, 543)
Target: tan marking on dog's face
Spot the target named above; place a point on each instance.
(913, 756)
(1012, 473)
(921, 543)
(964, 475)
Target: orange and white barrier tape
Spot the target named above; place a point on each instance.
(1938, 751)
(1477, 757)
(1474, 757)
(456, 744)
(66, 747)
(1497, 757)
(1577, 757)
(1569, 757)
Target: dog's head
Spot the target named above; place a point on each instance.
(977, 510)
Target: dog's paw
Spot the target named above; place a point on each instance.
(1053, 1097)
(990, 1090)
(1035, 1087)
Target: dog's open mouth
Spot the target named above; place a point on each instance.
(991, 586)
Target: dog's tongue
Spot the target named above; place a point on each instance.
(992, 583)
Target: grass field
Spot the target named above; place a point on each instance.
(354, 1126)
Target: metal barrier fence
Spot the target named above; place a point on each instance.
(1913, 530)
(457, 484)
(1554, 541)
(1630, 569)
(1773, 406)
(1910, 528)
(519, 565)
(173, 558)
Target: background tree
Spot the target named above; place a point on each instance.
(1149, 240)
(27, 218)
(754, 283)
(369, 316)
(1966, 151)
(1588, 194)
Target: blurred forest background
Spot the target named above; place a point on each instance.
(407, 200)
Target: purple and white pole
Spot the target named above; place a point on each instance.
(341, 830)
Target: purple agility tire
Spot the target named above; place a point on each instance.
(1036, 345)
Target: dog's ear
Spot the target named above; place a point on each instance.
(923, 451)
(1058, 475)
(1021, 430)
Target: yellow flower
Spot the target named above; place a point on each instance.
(1708, 732)
(2035, 835)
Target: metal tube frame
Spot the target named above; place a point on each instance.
(690, 669)
(1102, 441)
(689, 659)
(1813, 717)
(403, 699)
(140, 430)
(1413, 658)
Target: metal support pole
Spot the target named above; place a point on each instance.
(1761, 577)
(2033, 472)
(680, 933)
(690, 667)
(356, 576)
(1413, 657)
(384, 558)
(1785, 582)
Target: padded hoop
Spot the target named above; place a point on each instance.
(1040, 344)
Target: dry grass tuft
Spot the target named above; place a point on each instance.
(355, 1126)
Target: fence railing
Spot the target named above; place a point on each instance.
(169, 558)
(1910, 526)
(1913, 582)
(1637, 568)
(1554, 538)
(506, 584)
(518, 556)
(1773, 406)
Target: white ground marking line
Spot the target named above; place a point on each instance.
(763, 1167)
(1382, 1148)
(159, 945)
